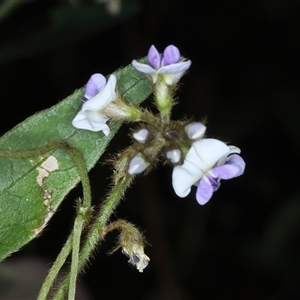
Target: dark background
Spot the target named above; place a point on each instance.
(243, 244)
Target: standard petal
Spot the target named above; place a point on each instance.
(204, 191)
(143, 68)
(109, 91)
(171, 56)
(94, 85)
(154, 57)
(205, 153)
(184, 176)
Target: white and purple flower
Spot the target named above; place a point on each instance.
(166, 65)
(206, 163)
(98, 94)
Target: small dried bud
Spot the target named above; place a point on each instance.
(137, 257)
(132, 241)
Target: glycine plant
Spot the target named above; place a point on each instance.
(45, 156)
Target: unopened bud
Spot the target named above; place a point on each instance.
(195, 130)
(141, 135)
(174, 155)
(137, 165)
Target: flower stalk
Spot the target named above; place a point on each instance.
(121, 181)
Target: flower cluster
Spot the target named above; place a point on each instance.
(197, 161)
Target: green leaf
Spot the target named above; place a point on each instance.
(27, 199)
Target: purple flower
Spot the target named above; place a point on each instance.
(98, 94)
(166, 65)
(206, 163)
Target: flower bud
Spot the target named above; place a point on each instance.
(174, 156)
(195, 130)
(141, 135)
(137, 165)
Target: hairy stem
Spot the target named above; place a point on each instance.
(78, 226)
(121, 182)
(60, 260)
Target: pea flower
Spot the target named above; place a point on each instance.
(167, 65)
(206, 163)
(98, 94)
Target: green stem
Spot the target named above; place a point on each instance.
(121, 183)
(164, 100)
(60, 260)
(73, 243)
(78, 226)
